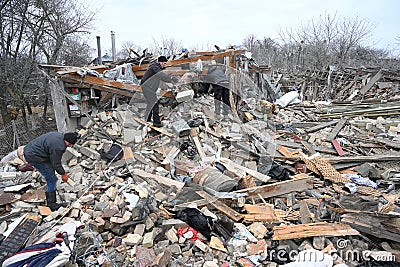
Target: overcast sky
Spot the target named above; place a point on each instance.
(202, 24)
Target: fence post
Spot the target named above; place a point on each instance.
(16, 138)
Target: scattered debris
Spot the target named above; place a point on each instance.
(268, 184)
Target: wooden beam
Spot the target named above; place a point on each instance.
(230, 165)
(203, 57)
(371, 82)
(379, 157)
(161, 130)
(279, 188)
(387, 142)
(285, 232)
(379, 225)
(321, 126)
(171, 155)
(260, 213)
(108, 86)
(309, 147)
(222, 207)
(158, 178)
(68, 70)
(196, 141)
(305, 215)
(103, 85)
(336, 130)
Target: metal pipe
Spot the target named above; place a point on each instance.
(99, 62)
(113, 45)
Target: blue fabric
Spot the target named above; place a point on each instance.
(39, 260)
(48, 172)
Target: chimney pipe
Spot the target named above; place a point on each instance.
(99, 62)
(113, 45)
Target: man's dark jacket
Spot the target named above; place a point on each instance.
(216, 75)
(152, 77)
(48, 147)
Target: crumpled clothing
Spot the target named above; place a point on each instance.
(189, 233)
(352, 187)
(357, 179)
(37, 255)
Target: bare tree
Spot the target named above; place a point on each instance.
(34, 31)
(168, 46)
(64, 18)
(126, 50)
(75, 52)
(328, 39)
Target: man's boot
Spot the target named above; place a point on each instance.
(51, 200)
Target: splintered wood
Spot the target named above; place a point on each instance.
(279, 188)
(285, 232)
(222, 207)
(259, 213)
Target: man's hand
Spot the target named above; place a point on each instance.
(65, 177)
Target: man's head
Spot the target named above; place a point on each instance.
(163, 61)
(70, 139)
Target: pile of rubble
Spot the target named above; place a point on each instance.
(265, 189)
(289, 183)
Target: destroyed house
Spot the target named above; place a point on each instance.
(278, 181)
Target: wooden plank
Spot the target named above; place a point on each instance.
(279, 188)
(103, 82)
(230, 165)
(161, 130)
(158, 178)
(128, 153)
(326, 150)
(195, 203)
(260, 217)
(284, 151)
(222, 207)
(288, 144)
(285, 232)
(387, 142)
(72, 69)
(321, 126)
(254, 209)
(204, 57)
(379, 225)
(305, 215)
(259, 213)
(309, 147)
(371, 82)
(108, 85)
(171, 155)
(196, 141)
(380, 157)
(337, 129)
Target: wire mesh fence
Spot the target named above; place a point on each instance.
(18, 132)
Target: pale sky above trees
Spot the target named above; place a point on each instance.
(201, 24)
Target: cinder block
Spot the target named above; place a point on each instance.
(184, 96)
(181, 128)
